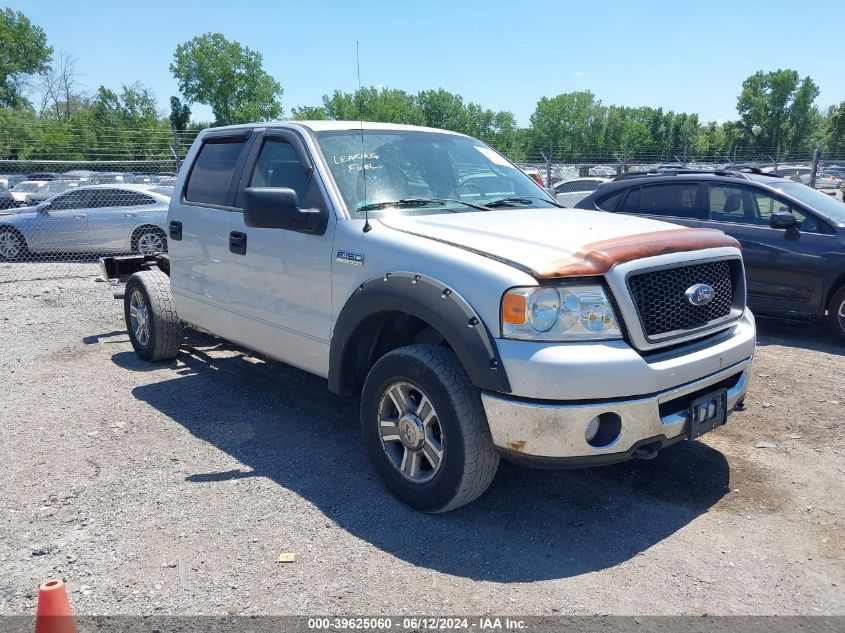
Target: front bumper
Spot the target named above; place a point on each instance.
(552, 434)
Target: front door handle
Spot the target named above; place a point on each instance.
(237, 242)
(175, 230)
(79, 216)
(130, 215)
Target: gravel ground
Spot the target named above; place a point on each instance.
(173, 488)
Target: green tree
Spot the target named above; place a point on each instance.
(227, 77)
(777, 110)
(23, 52)
(573, 123)
(372, 104)
(835, 129)
(444, 110)
(309, 113)
(180, 114)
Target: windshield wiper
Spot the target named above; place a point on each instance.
(416, 202)
(524, 200)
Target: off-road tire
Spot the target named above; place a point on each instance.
(835, 312)
(165, 330)
(469, 460)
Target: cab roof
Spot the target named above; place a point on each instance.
(325, 126)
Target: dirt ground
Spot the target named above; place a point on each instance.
(173, 488)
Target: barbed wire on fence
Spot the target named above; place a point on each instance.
(80, 196)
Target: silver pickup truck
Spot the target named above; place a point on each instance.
(475, 318)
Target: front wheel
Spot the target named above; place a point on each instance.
(154, 329)
(836, 313)
(425, 430)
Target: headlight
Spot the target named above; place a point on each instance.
(564, 313)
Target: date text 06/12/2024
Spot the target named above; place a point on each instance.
(417, 623)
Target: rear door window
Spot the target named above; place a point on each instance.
(211, 175)
(674, 200)
(72, 200)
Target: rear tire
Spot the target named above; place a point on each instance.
(425, 430)
(154, 329)
(836, 314)
(149, 241)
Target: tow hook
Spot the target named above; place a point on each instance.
(645, 452)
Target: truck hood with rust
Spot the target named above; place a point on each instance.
(529, 238)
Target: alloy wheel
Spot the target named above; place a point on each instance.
(410, 431)
(10, 245)
(139, 316)
(150, 243)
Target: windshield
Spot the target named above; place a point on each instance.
(820, 202)
(55, 186)
(26, 187)
(414, 166)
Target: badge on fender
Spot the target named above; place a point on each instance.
(346, 257)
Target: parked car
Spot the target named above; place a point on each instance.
(7, 181)
(112, 178)
(7, 200)
(572, 191)
(472, 324)
(99, 219)
(21, 190)
(43, 175)
(792, 236)
(82, 175)
(836, 171)
(534, 174)
(165, 190)
(48, 190)
(803, 174)
(833, 178)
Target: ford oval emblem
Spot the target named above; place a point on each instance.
(699, 295)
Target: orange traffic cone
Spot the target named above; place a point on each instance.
(53, 614)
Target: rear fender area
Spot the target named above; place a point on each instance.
(402, 308)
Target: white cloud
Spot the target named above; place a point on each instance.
(582, 73)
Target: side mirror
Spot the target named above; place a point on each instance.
(278, 208)
(551, 191)
(782, 220)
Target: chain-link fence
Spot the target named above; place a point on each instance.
(556, 164)
(58, 216)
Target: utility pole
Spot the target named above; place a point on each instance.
(816, 156)
(176, 149)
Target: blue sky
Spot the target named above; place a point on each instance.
(684, 56)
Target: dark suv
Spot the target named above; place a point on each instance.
(792, 236)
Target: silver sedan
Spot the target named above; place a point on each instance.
(100, 219)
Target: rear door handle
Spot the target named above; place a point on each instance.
(175, 230)
(130, 215)
(237, 242)
(79, 216)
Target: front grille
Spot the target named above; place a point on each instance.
(662, 306)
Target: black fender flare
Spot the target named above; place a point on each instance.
(431, 301)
